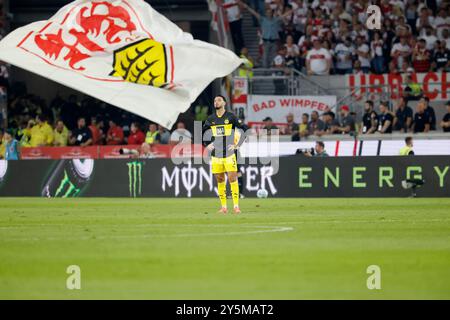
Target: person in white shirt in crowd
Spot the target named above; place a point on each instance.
(400, 52)
(318, 59)
(344, 53)
(430, 38)
(300, 10)
(424, 20)
(441, 22)
(180, 135)
(363, 53)
(234, 16)
(376, 49)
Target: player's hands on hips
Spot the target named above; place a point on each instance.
(210, 147)
(232, 147)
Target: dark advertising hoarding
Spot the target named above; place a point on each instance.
(294, 176)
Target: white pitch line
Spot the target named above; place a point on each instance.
(248, 224)
(271, 229)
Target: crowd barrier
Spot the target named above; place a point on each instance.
(266, 148)
(294, 176)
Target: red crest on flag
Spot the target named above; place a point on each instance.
(88, 31)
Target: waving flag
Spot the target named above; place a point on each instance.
(122, 52)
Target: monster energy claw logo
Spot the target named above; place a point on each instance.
(135, 178)
(67, 188)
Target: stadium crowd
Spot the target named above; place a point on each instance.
(322, 37)
(401, 119)
(67, 122)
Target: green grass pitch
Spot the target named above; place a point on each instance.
(182, 249)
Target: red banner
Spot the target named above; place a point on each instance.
(434, 84)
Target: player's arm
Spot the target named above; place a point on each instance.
(239, 125)
(207, 127)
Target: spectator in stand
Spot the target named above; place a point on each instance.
(292, 53)
(292, 128)
(386, 120)
(315, 125)
(446, 38)
(430, 112)
(181, 135)
(246, 69)
(421, 119)
(61, 135)
(413, 90)
(347, 123)
(357, 68)
(11, 146)
(303, 127)
(421, 57)
(81, 136)
(401, 52)
(115, 134)
(424, 20)
(96, 131)
(318, 59)
(234, 16)
(164, 135)
(344, 53)
(430, 38)
(41, 135)
(363, 53)
(152, 136)
(441, 22)
(24, 132)
(269, 128)
(441, 57)
(279, 62)
(370, 119)
(445, 123)
(331, 123)
(403, 116)
(136, 137)
(270, 28)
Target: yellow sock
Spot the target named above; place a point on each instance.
(235, 193)
(222, 190)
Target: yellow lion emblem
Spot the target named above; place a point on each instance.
(143, 62)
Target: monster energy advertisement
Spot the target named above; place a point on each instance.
(293, 176)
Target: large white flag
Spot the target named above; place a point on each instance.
(122, 52)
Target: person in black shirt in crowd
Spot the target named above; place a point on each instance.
(347, 123)
(331, 124)
(445, 123)
(430, 112)
(269, 127)
(441, 58)
(81, 136)
(315, 125)
(386, 119)
(421, 119)
(370, 119)
(403, 116)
